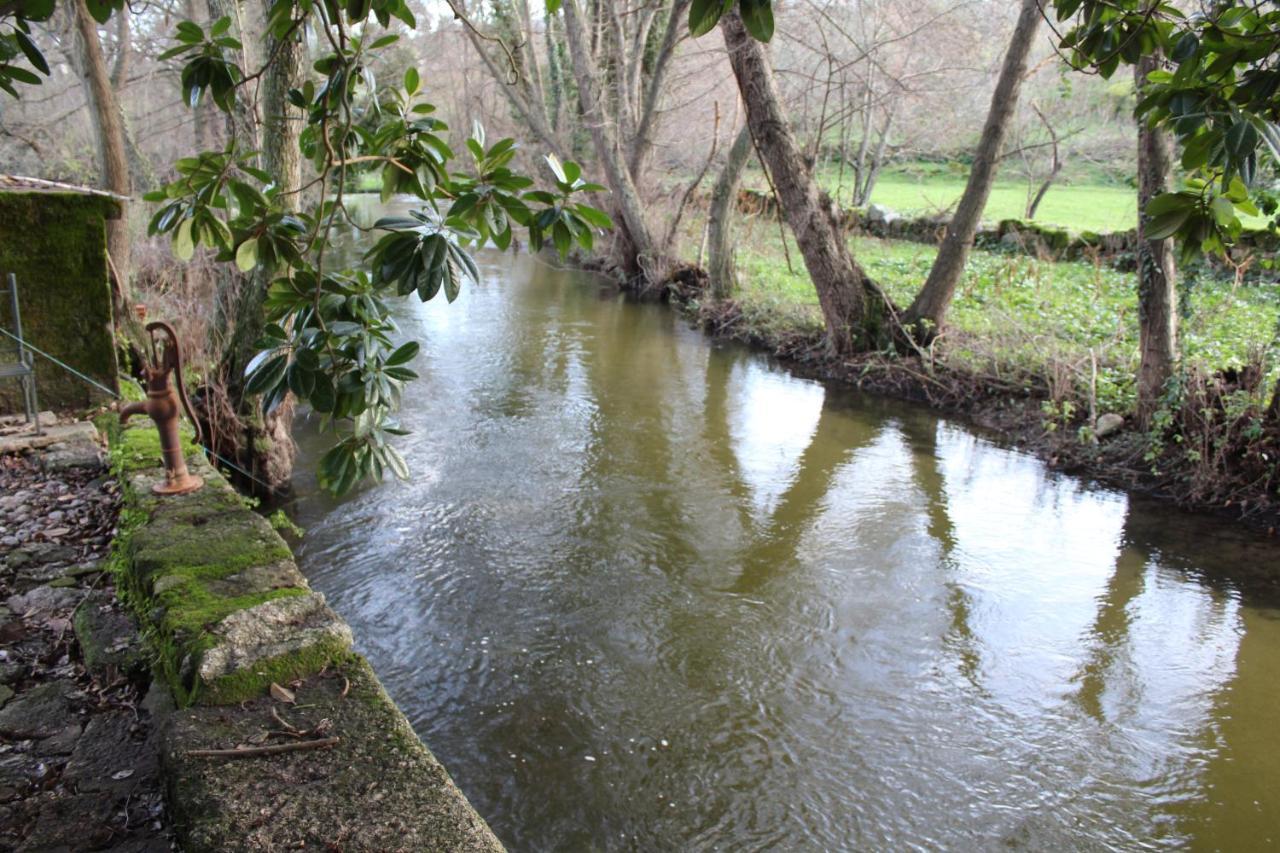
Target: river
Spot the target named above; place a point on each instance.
(650, 592)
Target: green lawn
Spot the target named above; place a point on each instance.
(1015, 315)
(1078, 207)
(1082, 206)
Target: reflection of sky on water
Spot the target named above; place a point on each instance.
(772, 423)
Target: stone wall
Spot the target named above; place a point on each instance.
(253, 658)
(56, 244)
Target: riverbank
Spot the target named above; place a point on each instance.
(277, 733)
(1043, 353)
(168, 679)
(1226, 469)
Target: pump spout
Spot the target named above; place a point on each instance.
(128, 410)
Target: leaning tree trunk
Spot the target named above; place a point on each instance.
(850, 312)
(1157, 271)
(108, 126)
(926, 314)
(724, 197)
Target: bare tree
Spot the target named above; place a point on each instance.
(1056, 164)
(641, 247)
(113, 162)
(848, 298)
(927, 312)
(619, 58)
(724, 197)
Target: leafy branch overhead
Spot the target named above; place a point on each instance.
(1218, 94)
(330, 339)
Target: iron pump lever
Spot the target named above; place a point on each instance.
(161, 406)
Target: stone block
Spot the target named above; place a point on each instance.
(379, 788)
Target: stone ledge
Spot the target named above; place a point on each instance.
(49, 435)
(378, 789)
(228, 613)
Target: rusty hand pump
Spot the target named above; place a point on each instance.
(161, 406)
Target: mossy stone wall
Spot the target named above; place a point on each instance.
(56, 244)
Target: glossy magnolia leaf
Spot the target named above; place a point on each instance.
(556, 169)
(757, 15)
(267, 375)
(593, 217)
(705, 14)
(404, 354)
(247, 255)
(31, 52)
(184, 246)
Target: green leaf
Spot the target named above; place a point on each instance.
(758, 17)
(556, 169)
(404, 354)
(411, 81)
(592, 216)
(184, 247)
(705, 14)
(31, 52)
(247, 255)
(1241, 139)
(268, 375)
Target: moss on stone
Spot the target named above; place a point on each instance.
(131, 391)
(189, 608)
(255, 680)
(205, 535)
(137, 447)
(172, 559)
(56, 245)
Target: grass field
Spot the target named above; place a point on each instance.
(1016, 315)
(1084, 206)
(1081, 207)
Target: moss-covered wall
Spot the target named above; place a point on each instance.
(56, 244)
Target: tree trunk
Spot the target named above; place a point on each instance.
(271, 445)
(630, 209)
(243, 122)
(642, 144)
(849, 311)
(927, 312)
(1157, 272)
(113, 160)
(724, 197)
(877, 159)
(260, 444)
(1055, 169)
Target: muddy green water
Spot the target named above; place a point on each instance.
(645, 592)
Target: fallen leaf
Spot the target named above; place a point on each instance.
(57, 624)
(282, 694)
(122, 774)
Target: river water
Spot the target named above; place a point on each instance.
(646, 592)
